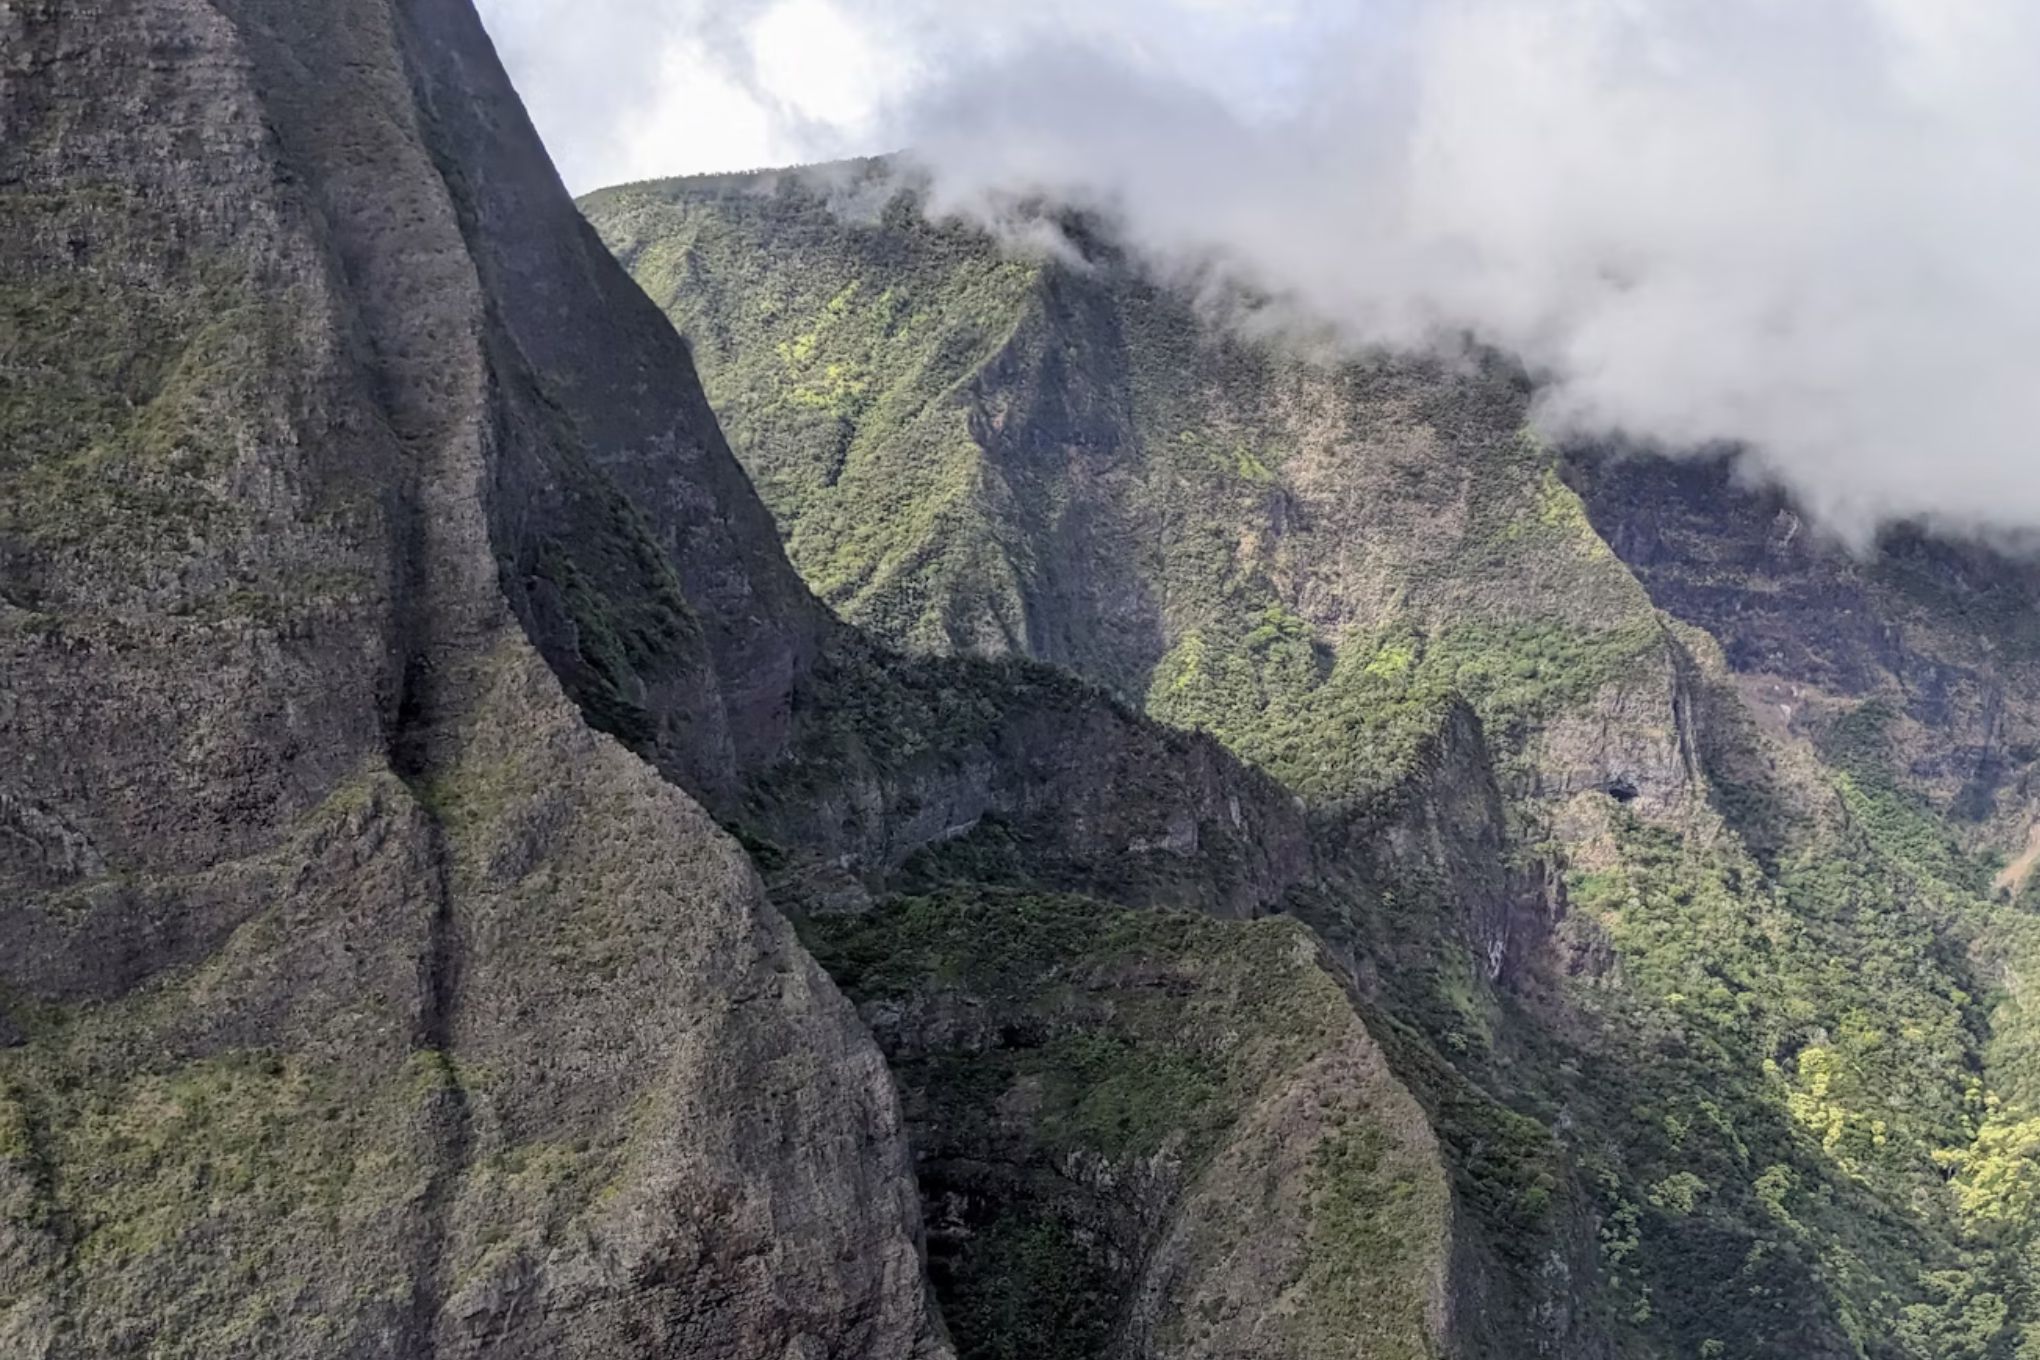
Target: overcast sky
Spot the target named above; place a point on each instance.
(1808, 225)
(642, 89)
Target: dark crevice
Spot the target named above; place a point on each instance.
(416, 756)
(409, 751)
(445, 1116)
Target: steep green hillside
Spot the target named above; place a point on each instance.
(1726, 932)
(968, 452)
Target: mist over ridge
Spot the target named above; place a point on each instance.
(1801, 228)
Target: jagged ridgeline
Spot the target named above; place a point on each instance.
(1676, 857)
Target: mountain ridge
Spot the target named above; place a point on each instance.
(1719, 817)
(464, 892)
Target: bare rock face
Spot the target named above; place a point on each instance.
(387, 634)
(1940, 631)
(1631, 742)
(358, 999)
(1025, 773)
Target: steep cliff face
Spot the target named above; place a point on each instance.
(1655, 837)
(404, 687)
(382, 620)
(361, 1000)
(1944, 632)
(1150, 1134)
(1017, 768)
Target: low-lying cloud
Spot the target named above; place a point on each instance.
(1806, 226)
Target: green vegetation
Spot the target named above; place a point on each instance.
(129, 393)
(259, 1130)
(1029, 1287)
(1799, 1068)
(627, 636)
(1113, 1056)
(1365, 1264)
(1775, 1052)
(963, 450)
(1343, 736)
(841, 364)
(109, 410)
(258, 1181)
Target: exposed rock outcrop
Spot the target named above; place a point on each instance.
(1148, 1134)
(357, 998)
(372, 1004)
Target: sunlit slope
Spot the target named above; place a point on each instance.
(1740, 954)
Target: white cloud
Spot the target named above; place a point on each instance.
(639, 89)
(810, 56)
(1801, 224)
(696, 117)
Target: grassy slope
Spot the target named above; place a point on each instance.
(1775, 1045)
(843, 376)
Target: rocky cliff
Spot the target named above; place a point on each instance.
(1571, 909)
(390, 645)
(1671, 849)
(367, 1002)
